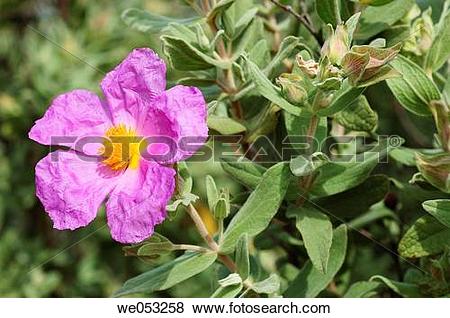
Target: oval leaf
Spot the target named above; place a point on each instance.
(169, 274)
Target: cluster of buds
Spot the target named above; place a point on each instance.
(361, 65)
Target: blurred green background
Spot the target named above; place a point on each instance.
(35, 259)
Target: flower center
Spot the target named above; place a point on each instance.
(121, 150)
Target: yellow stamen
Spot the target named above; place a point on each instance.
(125, 148)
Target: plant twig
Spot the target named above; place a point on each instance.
(298, 16)
(203, 231)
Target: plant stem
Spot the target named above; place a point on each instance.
(202, 230)
(306, 182)
(298, 16)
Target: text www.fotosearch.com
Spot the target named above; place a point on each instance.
(230, 308)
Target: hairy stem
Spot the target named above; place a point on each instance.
(202, 230)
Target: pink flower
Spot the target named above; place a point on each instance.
(73, 184)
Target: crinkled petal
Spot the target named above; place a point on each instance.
(138, 203)
(72, 115)
(132, 84)
(186, 109)
(72, 187)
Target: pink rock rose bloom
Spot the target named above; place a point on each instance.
(72, 184)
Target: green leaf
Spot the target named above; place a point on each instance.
(439, 52)
(268, 90)
(185, 57)
(440, 209)
(211, 192)
(328, 11)
(245, 171)
(376, 212)
(155, 245)
(317, 234)
(269, 285)
(259, 53)
(310, 282)
(362, 290)
(357, 200)
(232, 279)
(287, 47)
(358, 116)
(225, 125)
(298, 126)
(242, 258)
(145, 21)
(227, 292)
(343, 98)
(218, 9)
(260, 207)
(405, 156)
(414, 90)
(376, 19)
(335, 177)
(230, 286)
(168, 275)
(426, 236)
(403, 289)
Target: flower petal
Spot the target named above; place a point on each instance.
(72, 115)
(72, 187)
(186, 109)
(138, 202)
(132, 84)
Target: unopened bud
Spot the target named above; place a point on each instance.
(310, 67)
(435, 169)
(292, 88)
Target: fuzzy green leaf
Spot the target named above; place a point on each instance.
(317, 234)
(185, 57)
(376, 19)
(440, 209)
(427, 236)
(403, 289)
(225, 125)
(168, 275)
(260, 207)
(268, 90)
(244, 171)
(358, 116)
(310, 282)
(439, 52)
(145, 21)
(414, 90)
(328, 11)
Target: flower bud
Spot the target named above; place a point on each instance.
(337, 45)
(366, 65)
(310, 67)
(435, 169)
(292, 88)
